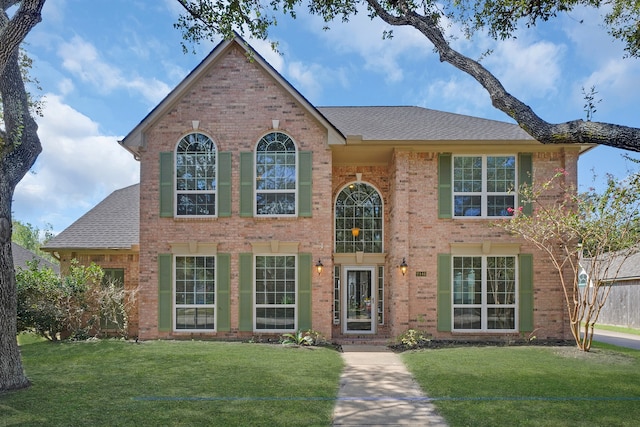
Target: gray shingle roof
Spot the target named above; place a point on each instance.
(418, 124)
(22, 255)
(114, 223)
(626, 269)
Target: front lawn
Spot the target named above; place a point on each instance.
(117, 383)
(531, 386)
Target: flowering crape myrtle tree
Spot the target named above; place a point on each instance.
(204, 19)
(587, 238)
(19, 148)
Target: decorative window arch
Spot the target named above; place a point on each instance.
(276, 175)
(196, 176)
(359, 218)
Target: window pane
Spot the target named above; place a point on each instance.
(467, 318)
(501, 174)
(500, 205)
(275, 318)
(467, 174)
(195, 318)
(276, 203)
(467, 205)
(501, 318)
(501, 280)
(467, 282)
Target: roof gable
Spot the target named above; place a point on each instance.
(134, 141)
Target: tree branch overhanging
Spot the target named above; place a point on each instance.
(572, 132)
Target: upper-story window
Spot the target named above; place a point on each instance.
(484, 186)
(359, 218)
(276, 175)
(196, 180)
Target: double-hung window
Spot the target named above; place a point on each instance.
(195, 293)
(276, 175)
(196, 181)
(484, 293)
(275, 293)
(484, 186)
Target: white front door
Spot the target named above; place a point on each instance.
(359, 300)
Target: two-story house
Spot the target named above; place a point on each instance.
(258, 213)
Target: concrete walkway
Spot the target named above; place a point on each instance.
(377, 390)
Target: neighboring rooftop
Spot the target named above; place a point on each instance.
(113, 223)
(418, 124)
(21, 256)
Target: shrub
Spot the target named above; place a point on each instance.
(412, 338)
(75, 305)
(301, 338)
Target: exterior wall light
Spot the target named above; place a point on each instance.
(403, 266)
(355, 231)
(319, 266)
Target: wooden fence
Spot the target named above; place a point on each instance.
(622, 307)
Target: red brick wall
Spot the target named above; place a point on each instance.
(235, 102)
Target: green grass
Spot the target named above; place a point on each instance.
(622, 329)
(531, 386)
(116, 383)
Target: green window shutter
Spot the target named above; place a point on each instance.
(525, 177)
(445, 194)
(246, 292)
(444, 292)
(304, 291)
(165, 292)
(224, 184)
(247, 200)
(305, 165)
(526, 293)
(223, 299)
(166, 184)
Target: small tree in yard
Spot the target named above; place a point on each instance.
(592, 233)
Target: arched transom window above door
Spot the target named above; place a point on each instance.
(359, 218)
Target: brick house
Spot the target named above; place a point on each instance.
(258, 213)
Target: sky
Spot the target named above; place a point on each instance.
(104, 64)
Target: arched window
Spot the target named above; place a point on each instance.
(359, 219)
(196, 181)
(276, 175)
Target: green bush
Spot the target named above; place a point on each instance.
(412, 338)
(75, 305)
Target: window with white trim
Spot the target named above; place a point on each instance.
(275, 293)
(484, 293)
(483, 186)
(276, 175)
(194, 292)
(359, 218)
(196, 181)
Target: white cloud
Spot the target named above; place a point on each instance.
(82, 59)
(363, 36)
(77, 168)
(528, 70)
